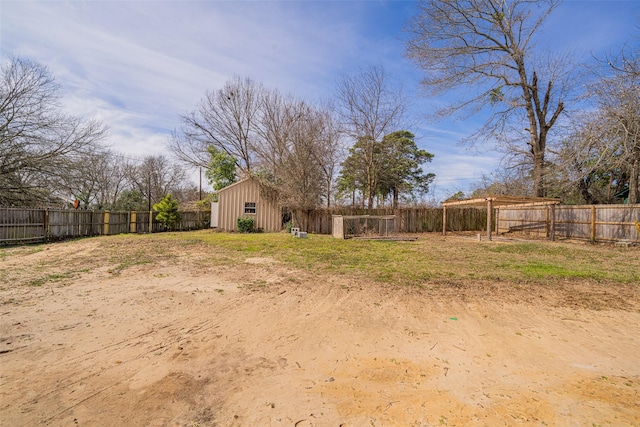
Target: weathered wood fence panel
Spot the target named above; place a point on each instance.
(589, 222)
(593, 222)
(408, 220)
(22, 225)
(194, 220)
(525, 220)
(573, 222)
(18, 225)
(63, 224)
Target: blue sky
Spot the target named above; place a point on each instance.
(138, 65)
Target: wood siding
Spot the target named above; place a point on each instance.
(231, 204)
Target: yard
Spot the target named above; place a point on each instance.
(213, 329)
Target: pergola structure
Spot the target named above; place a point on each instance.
(496, 201)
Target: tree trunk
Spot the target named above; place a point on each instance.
(583, 186)
(329, 195)
(634, 179)
(539, 189)
(537, 110)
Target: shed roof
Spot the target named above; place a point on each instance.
(501, 200)
(235, 184)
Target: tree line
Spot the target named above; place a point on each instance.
(295, 149)
(566, 130)
(49, 158)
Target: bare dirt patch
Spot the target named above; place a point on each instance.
(99, 332)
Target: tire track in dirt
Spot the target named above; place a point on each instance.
(89, 372)
(175, 344)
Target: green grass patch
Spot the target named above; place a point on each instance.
(56, 277)
(539, 269)
(432, 257)
(429, 261)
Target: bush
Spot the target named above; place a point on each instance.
(168, 212)
(245, 224)
(289, 226)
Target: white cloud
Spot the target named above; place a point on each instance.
(142, 64)
(138, 65)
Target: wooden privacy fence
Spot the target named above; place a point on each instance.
(408, 220)
(19, 225)
(608, 223)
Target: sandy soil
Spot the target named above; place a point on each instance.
(180, 343)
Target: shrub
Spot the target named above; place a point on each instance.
(245, 224)
(168, 212)
(289, 226)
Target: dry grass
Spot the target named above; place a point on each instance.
(599, 276)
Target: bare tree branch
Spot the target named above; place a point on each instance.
(485, 47)
(36, 138)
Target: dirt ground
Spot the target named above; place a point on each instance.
(183, 343)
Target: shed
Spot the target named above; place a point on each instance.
(495, 201)
(246, 199)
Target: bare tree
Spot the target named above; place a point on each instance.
(329, 150)
(619, 101)
(226, 119)
(155, 177)
(512, 181)
(288, 144)
(370, 107)
(299, 148)
(301, 172)
(278, 116)
(486, 48)
(36, 137)
(288, 151)
(95, 179)
(603, 155)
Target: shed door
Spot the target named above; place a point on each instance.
(214, 214)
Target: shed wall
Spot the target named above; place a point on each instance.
(231, 203)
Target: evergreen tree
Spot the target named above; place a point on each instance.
(391, 167)
(168, 213)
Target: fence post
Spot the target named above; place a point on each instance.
(593, 223)
(105, 230)
(444, 220)
(552, 223)
(547, 225)
(489, 209)
(132, 221)
(46, 225)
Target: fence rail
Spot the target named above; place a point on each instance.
(607, 223)
(19, 225)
